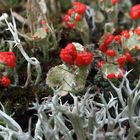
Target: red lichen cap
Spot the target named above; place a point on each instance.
(107, 41)
(8, 58)
(129, 57)
(100, 63)
(121, 60)
(66, 18)
(125, 33)
(83, 58)
(5, 81)
(111, 76)
(80, 8)
(114, 2)
(77, 17)
(68, 54)
(135, 12)
(118, 38)
(137, 31)
(110, 53)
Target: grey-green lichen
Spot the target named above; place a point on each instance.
(60, 76)
(67, 79)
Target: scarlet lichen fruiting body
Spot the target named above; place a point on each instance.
(74, 14)
(73, 56)
(114, 2)
(111, 76)
(84, 58)
(8, 58)
(135, 12)
(5, 81)
(68, 54)
(110, 53)
(121, 60)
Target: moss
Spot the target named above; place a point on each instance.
(16, 99)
